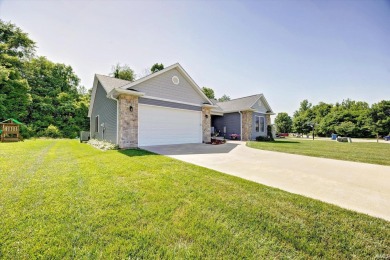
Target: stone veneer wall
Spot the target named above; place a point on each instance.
(206, 124)
(128, 121)
(246, 125)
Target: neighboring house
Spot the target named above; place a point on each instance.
(168, 107)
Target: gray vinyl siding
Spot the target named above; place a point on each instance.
(155, 102)
(163, 87)
(259, 107)
(107, 111)
(232, 121)
(254, 133)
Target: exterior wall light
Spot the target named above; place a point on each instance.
(131, 108)
(207, 116)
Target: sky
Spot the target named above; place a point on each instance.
(289, 50)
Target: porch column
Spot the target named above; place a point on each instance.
(128, 121)
(268, 119)
(206, 124)
(246, 125)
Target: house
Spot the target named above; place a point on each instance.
(168, 107)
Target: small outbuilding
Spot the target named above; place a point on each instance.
(9, 130)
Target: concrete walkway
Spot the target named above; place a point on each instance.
(358, 186)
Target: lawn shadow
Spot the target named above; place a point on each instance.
(135, 152)
(285, 142)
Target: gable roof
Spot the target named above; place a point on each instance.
(242, 104)
(177, 66)
(110, 83)
(113, 85)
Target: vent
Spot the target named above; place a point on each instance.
(175, 80)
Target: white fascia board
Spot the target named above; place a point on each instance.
(264, 100)
(93, 94)
(208, 105)
(174, 66)
(197, 88)
(216, 113)
(132, 84)
(117, 91)
(260, 95)
(268, 106)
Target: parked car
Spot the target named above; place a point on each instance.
(282, 135)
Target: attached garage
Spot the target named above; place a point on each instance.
(163, 125)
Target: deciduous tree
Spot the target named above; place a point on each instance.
(283, 123)
(209, 92)
(122, 72)
(157, 67)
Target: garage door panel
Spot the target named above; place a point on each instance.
(160, 125)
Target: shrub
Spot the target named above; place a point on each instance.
(269, 133)
(102, 145)
(52, 131)
(26, 131)
(264, 139)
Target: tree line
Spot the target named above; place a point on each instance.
(44, 95)
(348, 118)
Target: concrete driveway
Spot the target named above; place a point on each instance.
(358, 186)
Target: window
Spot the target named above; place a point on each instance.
(260, 124)
(97, 124)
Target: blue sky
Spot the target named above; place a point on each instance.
(289, 50)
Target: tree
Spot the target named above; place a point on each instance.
(380, 118)
(57, 98)
(15, 49)
(157, 67)
(303, 118)
(283, 123)
(209, 92)
(224, 98)
(122, 72)
(345, 128)
(304, 106)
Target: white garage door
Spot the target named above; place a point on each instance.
(160, 125)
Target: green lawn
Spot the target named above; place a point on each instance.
(62, 199)
(376, 153)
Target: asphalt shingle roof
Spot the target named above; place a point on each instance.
(238, 104)
(109, 83)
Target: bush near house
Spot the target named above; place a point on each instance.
(264, 139)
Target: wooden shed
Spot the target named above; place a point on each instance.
(9, 130)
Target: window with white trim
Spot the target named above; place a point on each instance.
(260, 124)
(97, 124)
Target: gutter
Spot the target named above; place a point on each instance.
(117, 118)
(240, 125)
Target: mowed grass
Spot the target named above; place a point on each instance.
(375, 153)
(62, 199)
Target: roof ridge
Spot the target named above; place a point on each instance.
(239, 98)
(162, 71)
(111, 77)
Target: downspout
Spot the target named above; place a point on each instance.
(117, 119)
(240, 125)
